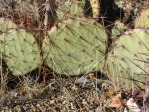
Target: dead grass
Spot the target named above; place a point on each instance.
(62, 93)
(3, 87)
(30, 87)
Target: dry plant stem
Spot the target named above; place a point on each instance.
(3, 77)
(47, 7)
(146, 96)
(3, 86)
(31, 89)
(1, 66)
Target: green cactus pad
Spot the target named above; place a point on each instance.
(67, 10)
(129, 58)
(76, 46)
(20, 50)
(6, 24)
(143, 19)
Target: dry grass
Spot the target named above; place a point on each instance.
(3, 87)
(30, 87)
(61, 93)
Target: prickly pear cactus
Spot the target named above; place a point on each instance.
(76, 46)
(128, 62)
(143, 19)
(20, 51)
(71, 8)
(95, 4)
(6, 24)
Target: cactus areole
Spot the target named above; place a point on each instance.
(76, 46)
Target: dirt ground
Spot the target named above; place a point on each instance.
(57, 93)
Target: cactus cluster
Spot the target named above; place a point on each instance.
(79, 45)
(72, 47)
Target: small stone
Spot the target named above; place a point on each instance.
(17, 109)
(38, 105)
(52, 101)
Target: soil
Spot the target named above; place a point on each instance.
(87, 93)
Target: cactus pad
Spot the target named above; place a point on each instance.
(129, 58)
(76, 46)
(143, 19)
(20, 50)
(6, 24)
(69, 9)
